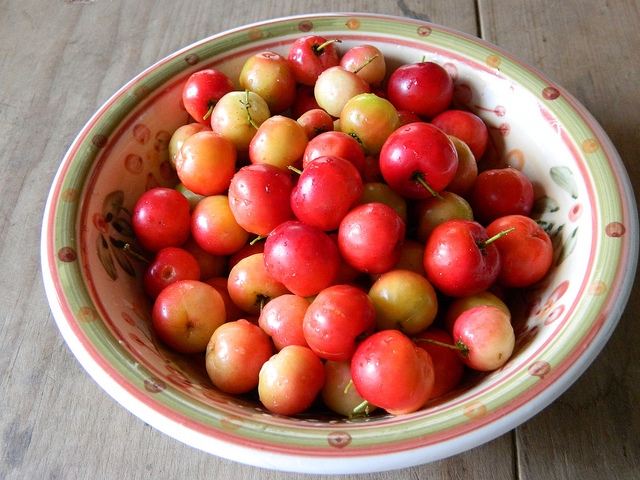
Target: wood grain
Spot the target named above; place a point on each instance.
(62, 59)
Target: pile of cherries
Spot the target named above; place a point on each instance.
(333, 238)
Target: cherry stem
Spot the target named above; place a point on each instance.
(294, 169)
(130, 251)
(495, 237)
(208, 114)
(247, 105)
(362, 409)
(317, 49)
(459, 345)
(367, 62)
(348, 387)
(257, 239)
(418, 177)
(262, 301)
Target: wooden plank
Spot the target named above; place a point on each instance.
(592, 48)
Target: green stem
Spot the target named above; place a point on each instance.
(459, 345)
(318, 49)
(247, 105)
(495, 237)
(294, 169)
(418, 177)
(367, 62)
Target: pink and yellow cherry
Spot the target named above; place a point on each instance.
(206, 163)
(335, 87)
(424, 88)
(202, 91)
(270, 75)
(235, 354)
(180, 135)
(281, 318)
(371, 119)
(370, 237)
(390, 371)
(169, 265)
(366, 61)
(238, 115)
(335, 144)
(418, 160)
(214, 227)
(485, 337)
(430, 212)
(526, 252)
(290, 380)
(315, 121)
(327, 189)
(339, 317)
(302, 257)
(499, 192)
(310, 55)
(259, 197)
(161, 218)
(186, 313)
(460, 259)
(404, 300)
(467, 171)
(338, 392)
(250, 286)
(279, 141)
(466, 126)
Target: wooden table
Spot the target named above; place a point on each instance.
(60, 60)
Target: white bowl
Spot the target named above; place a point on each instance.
(584, 199)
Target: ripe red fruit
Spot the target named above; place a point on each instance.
(186, 313)
(259, 197)
(370, 237)
(301, 257)
(499, 192)
(161, 218)
(309, 56)
(424, 88)
(202, 91)
(169, 265)
(326, 190)
(466, 126)
(526, 252)
(337, 320)
(457, 259)
(486, 335)
(418, 160)
(392, 372)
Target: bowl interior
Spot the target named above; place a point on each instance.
(582, 199)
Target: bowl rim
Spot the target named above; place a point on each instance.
(92, 359)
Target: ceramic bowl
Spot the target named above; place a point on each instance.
(583, 200)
